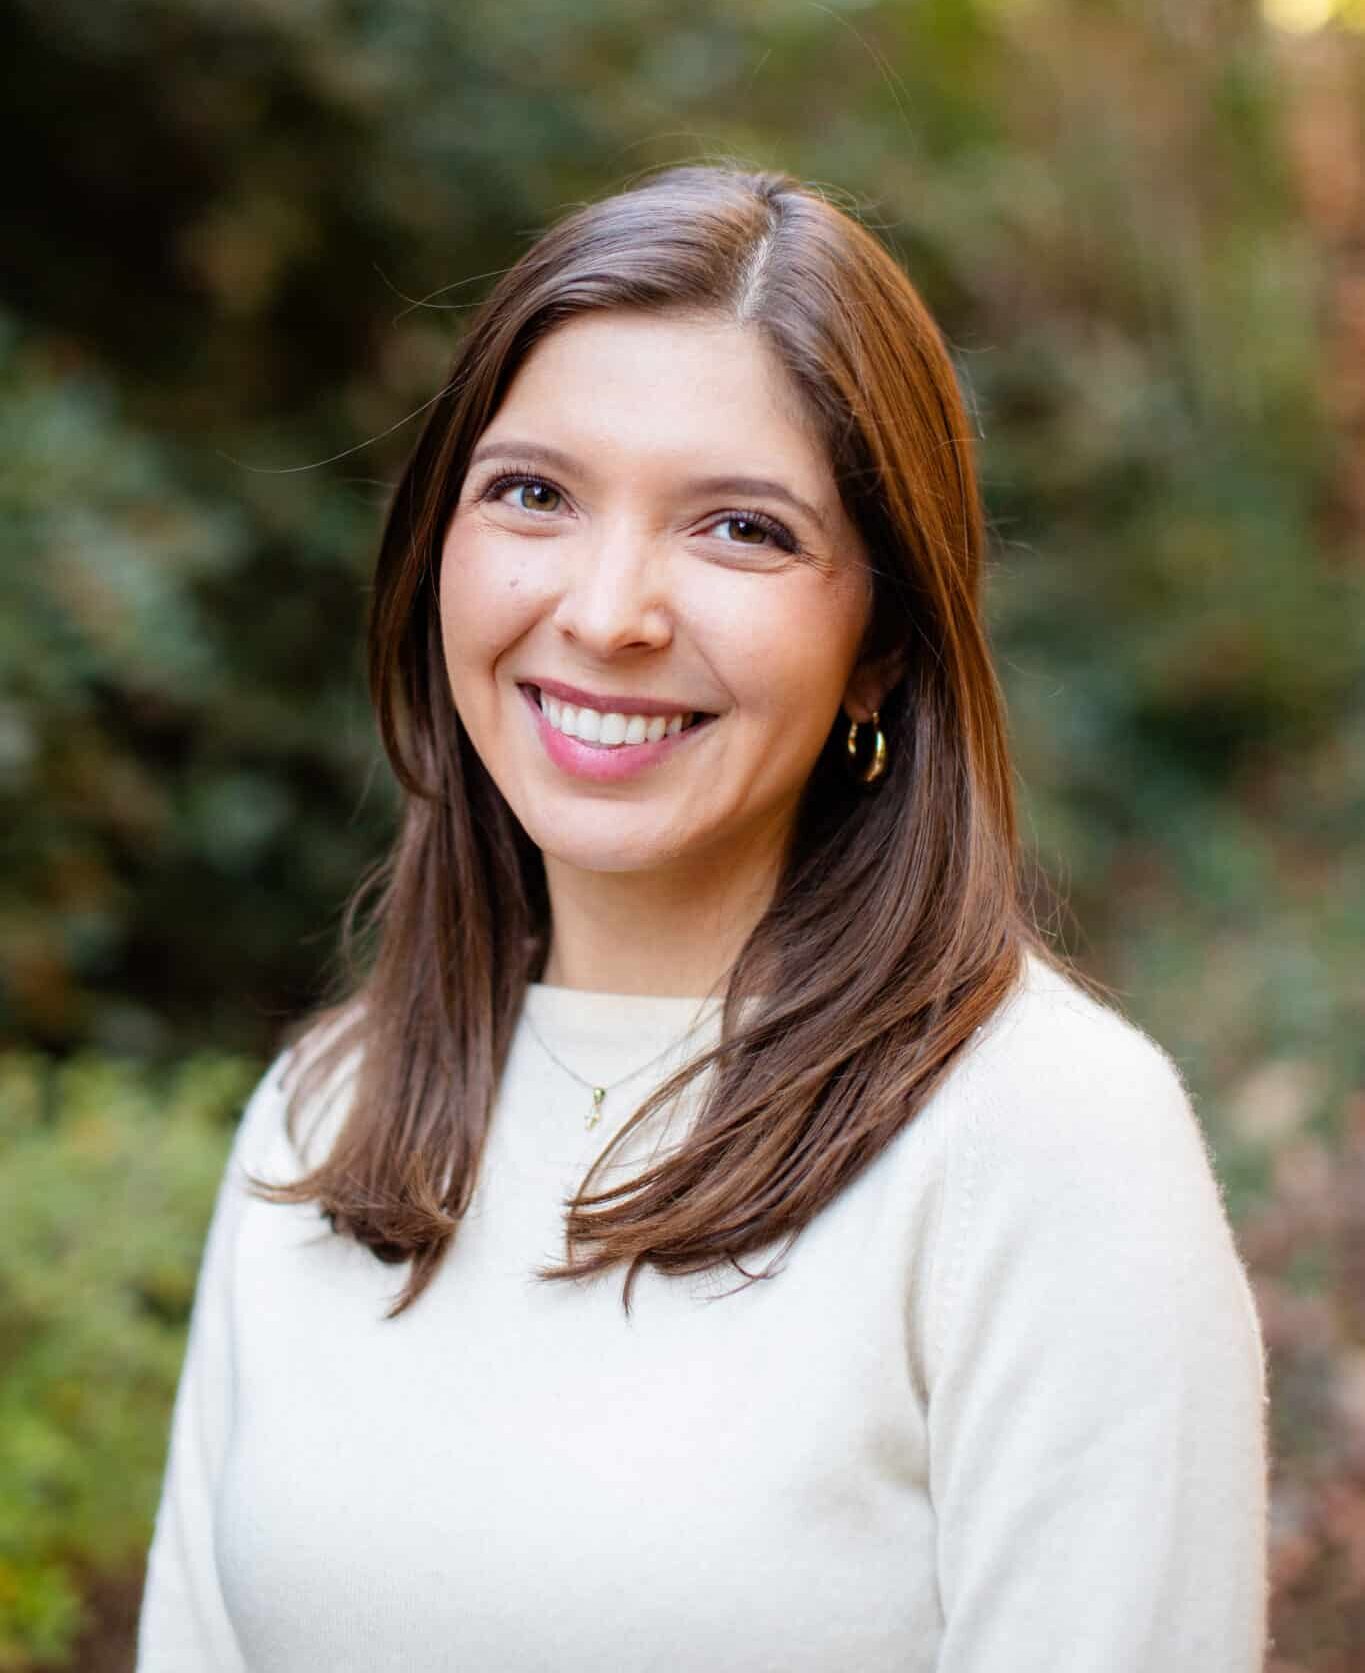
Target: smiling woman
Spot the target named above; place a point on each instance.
(628, 586)
(706, 892)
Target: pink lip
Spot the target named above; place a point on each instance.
(612, 704)
(605, 766)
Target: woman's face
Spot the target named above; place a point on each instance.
(606, 562)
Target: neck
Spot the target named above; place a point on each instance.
(665, 933)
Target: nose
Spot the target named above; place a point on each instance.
(613, 598)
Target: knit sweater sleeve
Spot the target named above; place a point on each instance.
(184, 1622)
(1096, 1370)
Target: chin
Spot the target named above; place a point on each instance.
(610, 850)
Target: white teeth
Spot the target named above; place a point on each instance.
(610, 730)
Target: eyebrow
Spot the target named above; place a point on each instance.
(556, 459)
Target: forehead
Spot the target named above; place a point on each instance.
(665, 386)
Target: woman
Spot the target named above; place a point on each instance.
(703, 923)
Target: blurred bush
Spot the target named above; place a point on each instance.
(179, 734)
(108, 1180)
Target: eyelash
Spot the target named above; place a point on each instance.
(778, 532)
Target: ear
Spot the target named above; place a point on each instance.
(870, 682)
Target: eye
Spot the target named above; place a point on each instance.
(543, 496)
(534, 493)
(754, 523)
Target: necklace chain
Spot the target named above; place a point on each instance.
(599, 1093)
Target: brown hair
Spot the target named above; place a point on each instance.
(899, 923)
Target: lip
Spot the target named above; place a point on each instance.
(605, 766)
(613, 705)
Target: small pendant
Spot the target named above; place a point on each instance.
(598, 1093)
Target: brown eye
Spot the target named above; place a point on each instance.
(753, 529)
(747, 532)
(541, 489)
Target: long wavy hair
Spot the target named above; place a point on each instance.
(900, 921)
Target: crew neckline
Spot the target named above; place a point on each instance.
(588, 1020)
(602, 993)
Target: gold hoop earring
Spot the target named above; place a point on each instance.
(877, 765)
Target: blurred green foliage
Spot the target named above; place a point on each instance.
(109, 1175)
(242, 244)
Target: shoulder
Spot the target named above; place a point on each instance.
(1058, 1069)
(1074, 1153)
(1051, 1017)
(297, 1105)
(1083, 1202)
(1073, 1149)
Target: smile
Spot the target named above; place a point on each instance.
(610, 728)
(607, 745)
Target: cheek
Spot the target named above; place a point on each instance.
(485, 607)
(788, 654)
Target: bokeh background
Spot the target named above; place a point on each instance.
(241, 243)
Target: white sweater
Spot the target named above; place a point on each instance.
(1002, 1411)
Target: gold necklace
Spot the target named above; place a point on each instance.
(599, 1093)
